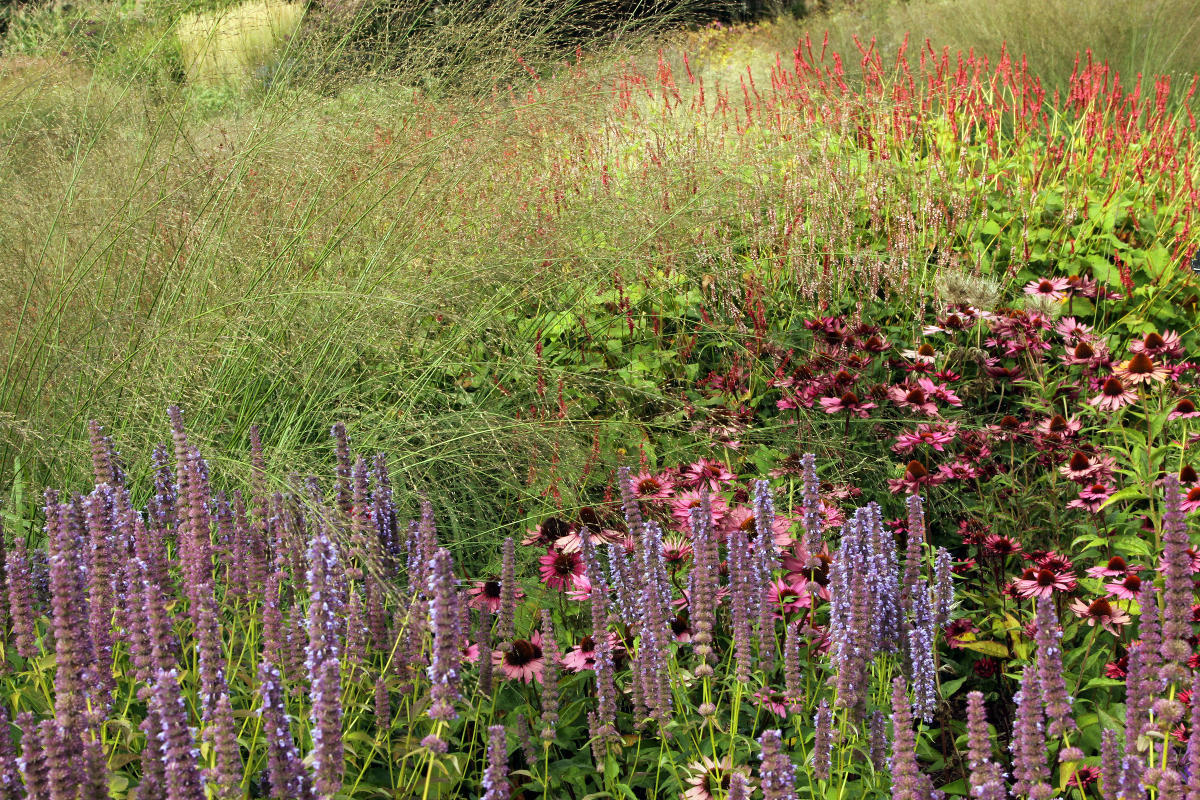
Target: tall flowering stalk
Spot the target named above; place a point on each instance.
(1178, 593)
(1055, 701)
(288, 778)
(549, 677)
(811, 519)
(777, 774)
(508, 593)
(1030, 770)
(323, 662)
(703, 586)
(495, 777)
(987, 779)
(444, 674)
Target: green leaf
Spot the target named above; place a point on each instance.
(987, 648)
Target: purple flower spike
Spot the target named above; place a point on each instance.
(1055, 700)
(777, 773)
(495, 777)
(1178, 593)
(444, 672)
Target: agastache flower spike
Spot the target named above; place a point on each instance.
(323, 662)
(740, 588)
(777, 773)
(921, 655)
(1192, 756)
(1110, 766)
(443, 617)
(508, 594)
(943, 581)
(914, 551)
(908, 782)
(1178, 593)
(811, 519)
(822, 755)
(1055, 701)
(987, 779)
(549, 677)
(180, 753)
(703, 586)
(289, 780)
(1028, 746)
(495, 777)
(21, 599)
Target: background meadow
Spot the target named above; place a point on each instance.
(789, 406)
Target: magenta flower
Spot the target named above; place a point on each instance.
(653, 487)
(707, 472)
(559, 569)
(523, 661)
(1184, 409)
(848, 403)
(1040, 582)
(1092, 497)
(934, 436)
(1113, 395)
(486, 595)
(1054, 288)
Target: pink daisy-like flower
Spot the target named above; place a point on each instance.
(789, 597)
(523, 661)
(915, 476)
(1191, 501)
(684, 502)
(1054, 288)
(772, 701)
(547, 532)
(1092, 497)
(1115, 567)
(1038, 582)
(559, 569)
(742, 518)
(939, 391)
(1125, 589)
(912, 397)
(1113, 395)
(1086, 354)
(583, 655)
(1184, 409)
(708, 472)
(1159, 345)
(676, 552)
(1100, 612)
(1079, 467)
(1070, 328)
(1142, 369)
(653, 487)
(960, 632)
(486, 595)
(580, 589)
(935, 436)
(573, 541)
(925, 354)
(708, 779)
(1059, 426)
(848, 403)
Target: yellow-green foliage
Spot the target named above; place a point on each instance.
(224, 46)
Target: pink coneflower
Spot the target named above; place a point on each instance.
(1059, 426)
(1100, 612)
(523, 661)
(934, 436)
(1141, 369)
(1191, 500)
(547, 532)
(1086, 354)
(915, 476)
(742, 518)
(676, 552)
(559, 569)
(960, 632)
(653, 487)
(1055, 562)
(709, 779)
(486, 594)
(1078, 468)
(925, 354)
(1188, 475)
(1159, 345)
(684, 502)
(1053, 288)
(913, 398)
(775, 702)
(708, 472)
(1000, 545)
(789, 597)
(1184, 409)
(1125, 589)
(583, 655)
(1117, 670)
(1113, 395)
(848, 403)
(1071, 329)
(1091, 497)
(573, 541)
(939, 391)
(1036, 582)
(1115, 567)
(580, 589)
